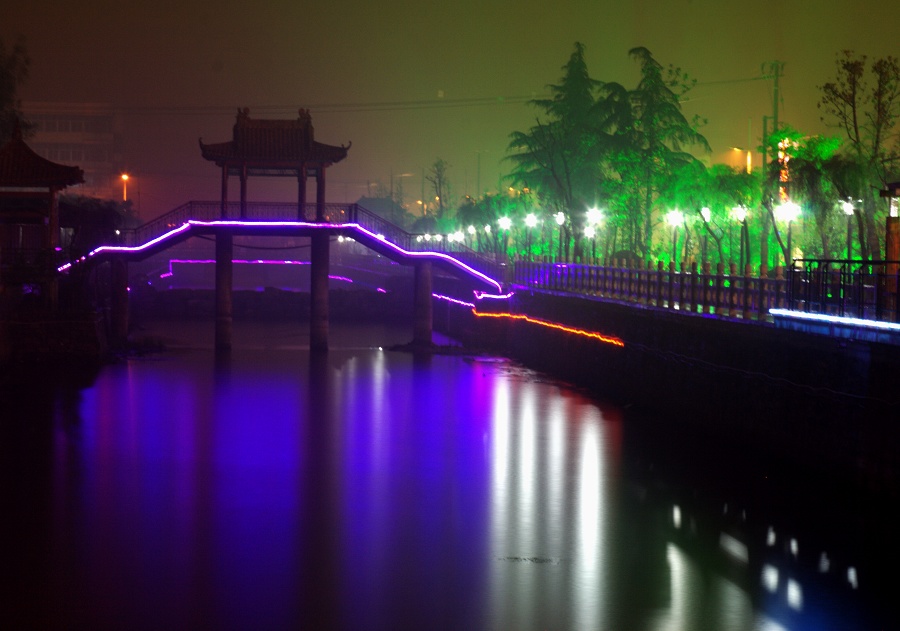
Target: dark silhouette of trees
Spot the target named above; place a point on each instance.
(14, 64)
(866, 108)
(440, 185)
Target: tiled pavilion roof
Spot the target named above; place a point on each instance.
(273, 143)
(20, 167)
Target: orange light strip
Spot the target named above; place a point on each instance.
(552, 325)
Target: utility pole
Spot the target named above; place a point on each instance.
(772, 70)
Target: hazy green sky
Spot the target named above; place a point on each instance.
(181, 69)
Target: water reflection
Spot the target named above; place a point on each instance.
(363, 489)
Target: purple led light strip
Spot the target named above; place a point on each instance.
(454, 300)
(171, 272)
(287, 224)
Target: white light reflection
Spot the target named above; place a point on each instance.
(770, 537)
(677, 615)
(676, 516)
(737, 549)
(591, 521)
(770, 578)
(852, 578)
(794, 594)
(548, 507)
(525, 426)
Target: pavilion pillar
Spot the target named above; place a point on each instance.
(301, 193)
(244, 190)
(318, 322)
(118, 303)
(224, 204)
(224, 281)
(320, 193)
(52, 285)
(422, 305)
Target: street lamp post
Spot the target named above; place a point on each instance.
(594, 217)
(847, 206)
(505, 224)
(740, 214)
(788, 213)
(530, 222)
(124, 187)
(560, 219)
(675, 218)
(590, 233)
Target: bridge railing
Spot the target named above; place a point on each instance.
(854, 288)
(333, 213)
(691, 289)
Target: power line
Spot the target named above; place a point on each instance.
(323, 108)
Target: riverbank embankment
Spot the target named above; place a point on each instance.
(808, 398)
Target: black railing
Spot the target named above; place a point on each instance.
(854, 288)
(690, 289)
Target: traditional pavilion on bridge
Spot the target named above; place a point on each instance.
(274, 148)
(29, 218)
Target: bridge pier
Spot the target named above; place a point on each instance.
(224, 283)
(318, 292)
(118, 312)
(422, 305)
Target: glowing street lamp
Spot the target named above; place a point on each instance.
(675, 218)
(590, 233)
(849, 210)
(560, 219)
(787, 212)
(124, 187)
(530, 222)
(505, 224)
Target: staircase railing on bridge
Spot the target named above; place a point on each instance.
(691, 289)
(333, 213)
(859, 289)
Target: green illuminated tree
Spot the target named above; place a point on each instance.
(866, 108)
(707, 197)
(819, 178)
(14, 64)
(652, 145)
(560, 156)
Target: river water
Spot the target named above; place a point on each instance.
(374, 489)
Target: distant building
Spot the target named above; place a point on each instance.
(87, 134)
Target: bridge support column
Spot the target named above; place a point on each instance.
(224, 282)
(318, 290)
(118, 303)
(422, 306)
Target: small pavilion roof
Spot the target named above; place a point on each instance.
(20, 167)
(263, 142)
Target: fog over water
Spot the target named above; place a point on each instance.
(372, 489)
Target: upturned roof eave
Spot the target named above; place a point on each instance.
(20, 167)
